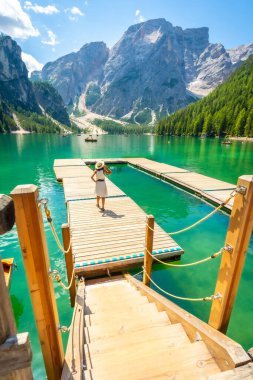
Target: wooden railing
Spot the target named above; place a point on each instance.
(15, 349)
(33, 245)
(232, 262)
(233, 257)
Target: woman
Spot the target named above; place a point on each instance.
(101, 190)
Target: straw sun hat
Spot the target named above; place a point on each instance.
(99, 165)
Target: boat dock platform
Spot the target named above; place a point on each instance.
(111, 240)
(210, 189)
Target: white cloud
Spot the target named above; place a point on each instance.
(138, 15)
(14, 21)
(30, 62)
(48, 10)
(74, 13)
(52, 39)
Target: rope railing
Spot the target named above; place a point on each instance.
(213, 256)
(55, 274)
(137, 274)
(44, 202)
(232, 195)
(209, 298)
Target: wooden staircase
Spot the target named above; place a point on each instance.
(126, 337)
(123, 330)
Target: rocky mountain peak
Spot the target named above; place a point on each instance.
(10, 56)
(154, 69)
(241, 53)
(71, 73)
(15, 86)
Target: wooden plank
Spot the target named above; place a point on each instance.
(120, 230)
(174, 335)
(117, 266)
(228, 353)
(71, 171)
(157, 167)
(15, 350)
(33, 245)
(241, 373)
(238, 238)
(7, 321)
(15, 354)
(201, 181)
(69, 162)
(73, 363)
(178, 362)
(213, 190)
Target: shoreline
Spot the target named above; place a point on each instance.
(244, 139)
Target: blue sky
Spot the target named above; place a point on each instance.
(48, 29)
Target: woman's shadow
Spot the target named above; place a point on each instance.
(112, 214)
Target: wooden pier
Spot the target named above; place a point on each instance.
(210, 189)
(112, 240)
(121, 329)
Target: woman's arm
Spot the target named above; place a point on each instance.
(93, 175)
(107, 170)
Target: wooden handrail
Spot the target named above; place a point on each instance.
(233, 258)
(33, 245)
(228, 353)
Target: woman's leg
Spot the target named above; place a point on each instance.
(98, 199)
(103, 203)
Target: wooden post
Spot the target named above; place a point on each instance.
(148, 247)
(238, 237)
(7, 321)
(15, 349)
(69, 262)
(36, 261)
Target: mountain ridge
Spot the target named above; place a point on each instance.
(154, 69)
(20, 98)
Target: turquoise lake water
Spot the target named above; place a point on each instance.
(29, 159)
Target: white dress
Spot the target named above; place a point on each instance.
(101, 188)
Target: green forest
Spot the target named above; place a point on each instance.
(228, 110)
(34, 122)
(49, 98)
(115, 128)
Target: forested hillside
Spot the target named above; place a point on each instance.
(228, 110)
(51, 101)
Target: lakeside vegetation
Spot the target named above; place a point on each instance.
(228, 110)
(115, 128)
(34, 122)
(6, 121)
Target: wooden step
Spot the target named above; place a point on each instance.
(190, 361)
(104, 286)
(168, 336)
(116, 328)
(115, 303)
(109, 290)
(139, 311)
